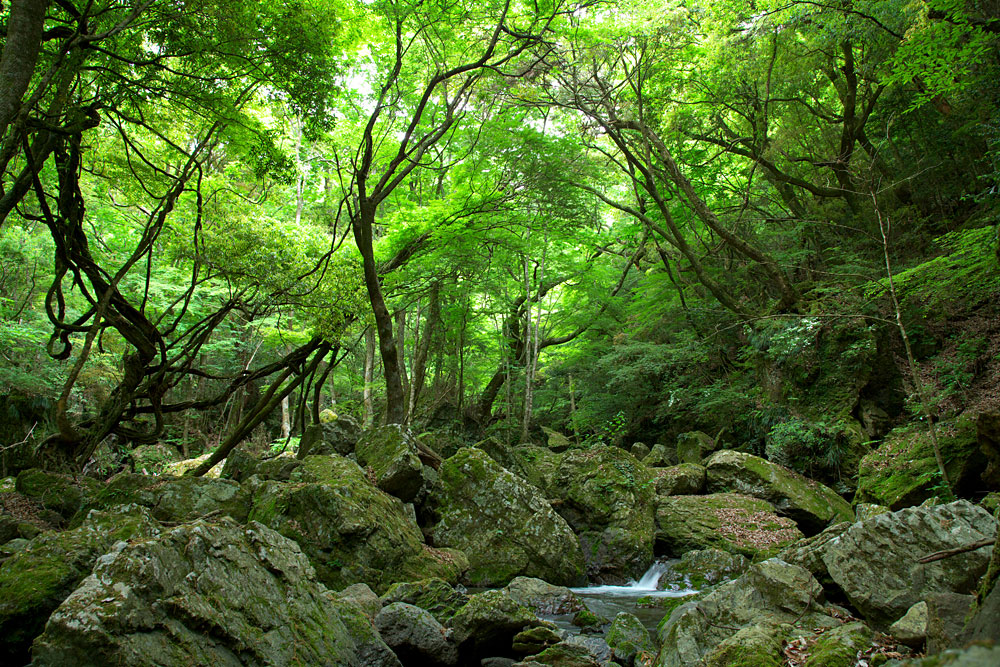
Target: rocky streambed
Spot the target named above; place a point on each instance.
(361, 552)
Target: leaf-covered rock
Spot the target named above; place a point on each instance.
(812, 505)
(727, 521)
(680, 480)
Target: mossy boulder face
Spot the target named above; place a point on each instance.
(758, 645)
(437, 596)
(874, 561)
(556, 441)
(840, 646)
(172, 499)
(543, 597)
(627, 636)
(151, 459)
(537, 465)
(661, 456)
(505, 525)
(772, 592)
(681, 480)
(62, 494)
(207, 594)
(351, 531)
(363, 597)
(183, 466)
(335, 434)
(812, 505)
(487, 624)
(563, 654)
(694, 447)
(416, 637)
(903, 471)
(242, 465)
(391, 452)
(535, 640)
(443, 442)
(608, 499)
(34, 581)
(727, 521)
(702, 568)
(808, 552)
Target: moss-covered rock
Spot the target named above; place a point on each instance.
(563, 654)
(351, 531)
(416, 637)
(771, 592)
(172, 499)
(487, 624)
(62, 494)
(435, 595)
(812, 505)
(973, 656)
(808, 553)
(504, 524)
(840, 646)
(363, 597)
(694, 447)
(392, 454)
(627, 636)
(703, 568)
(182, 467)
(34, 581)
(543, 597)
(537, 465)
(588, 621)
(535, 640)
(727, 521)
(8, 485)
(756, 645)
(207, 594)
(874, 561)
(607, 497)
(903, 472)
(151, 459)
(681, 480)
(661, 456)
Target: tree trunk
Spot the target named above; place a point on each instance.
(369, 417)
(17, 64)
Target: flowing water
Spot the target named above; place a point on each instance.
(607, 601)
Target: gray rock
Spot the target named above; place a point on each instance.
(661, 456)
(946, 613)
(808, 552)
(336, 436)
(532, 641)
(505, 525)
(911, 629)
(974, 656)
(595, 646)
(772, 592)
(702, 568)
(182, 599)
(487, 624)
(694, 446)
(627, 637)
(392, 454)
(874, 561)
(435, 595)
(172, 499)
(363, 597)
(639, 450)
(812, 505)
(680, 480)
(415, 636)
(543, 597)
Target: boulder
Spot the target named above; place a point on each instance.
(363, 597)
(694, 447)
(536, 465)
(812, 505)
(487, 624)
(535, 640)
(771, 592)
(563, 654)
(702, 568)
(437, 596)
(503, 523)
(35, 580)
(556, 441)
(333, 435)
(903, 471)
(756, 645)
(946, 614)
(172, 499)
(351, 531)
(973, 656)
(180, 468)
(808, 552)
(681, 480)
(864, 511)
(728, 521)
(543, 597)
(661, 456)
(415, 636)
(911, 629)
(590, 622)
(874, 561)
(840, 645)
(607, 498)
(627, 636)
(639, 450)
(595, 646)
(182, 599)
(151, 459)
(62, 494)
(391, 452)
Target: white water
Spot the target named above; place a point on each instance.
(645, 586)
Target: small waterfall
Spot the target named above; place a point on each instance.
(645, 586)
(649, 580)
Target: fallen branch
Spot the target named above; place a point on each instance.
(941, 555)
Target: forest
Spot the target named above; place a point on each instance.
(614, 255)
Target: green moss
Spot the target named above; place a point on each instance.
(60, 493)
(840, 646)
(667, 604)
(588, 619)
(903, 471)
(435, 595)
(753, 646)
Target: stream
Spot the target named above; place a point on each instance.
(607, 601)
